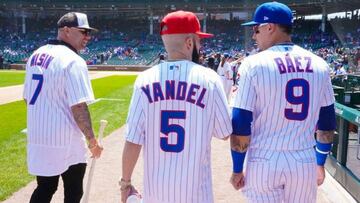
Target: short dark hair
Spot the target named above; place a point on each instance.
(286, 28)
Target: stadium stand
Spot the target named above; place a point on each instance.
(124, 37)
(127, 42)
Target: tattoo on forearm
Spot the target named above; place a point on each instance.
(82, 117)
(240, 147)
(325, 136)
(239, 143)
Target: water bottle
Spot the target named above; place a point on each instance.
(134, 198)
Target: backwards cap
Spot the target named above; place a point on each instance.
(182, 22)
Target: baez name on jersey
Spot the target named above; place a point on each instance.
(181, 91)
(292, 65)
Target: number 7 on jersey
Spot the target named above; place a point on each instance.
(40, 78)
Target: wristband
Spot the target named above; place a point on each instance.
(321, 151)
(238, 161)
(124, 185)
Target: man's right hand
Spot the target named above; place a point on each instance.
(237, 180)
(320, 175)
(95, 148)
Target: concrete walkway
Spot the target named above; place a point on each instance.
(11, 94)
(15, 93)
(108, 169)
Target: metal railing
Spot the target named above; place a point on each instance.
(339, 165)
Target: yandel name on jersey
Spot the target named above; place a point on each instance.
(181, 91)
(41, 59)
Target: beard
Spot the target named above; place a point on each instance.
(195, 55)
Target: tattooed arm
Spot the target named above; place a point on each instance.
(325, 136)
(239, 143)
(82, 117)
(239, 146)
(83, 120)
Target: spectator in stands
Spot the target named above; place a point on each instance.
(102, 58)
(94, 60)
(339, 69)
(217, 61)
(235, 67)
(161, 58)
(211, 62)
(225, 72)
(357, 57)
(1, 61)
(202, 59)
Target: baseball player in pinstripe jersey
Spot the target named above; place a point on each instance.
(57, 89)
(176, 108)
(284, 93)
(225, 72)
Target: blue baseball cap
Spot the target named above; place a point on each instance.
(272, 12)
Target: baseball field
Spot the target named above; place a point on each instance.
(8, 78)
(112, 95)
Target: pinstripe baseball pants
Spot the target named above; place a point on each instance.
(281, 176)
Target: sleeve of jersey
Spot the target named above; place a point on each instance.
(327, 118)
(222, 125)
(245, 96)
(78, 86)
(135, 124)
(241, 121)
(328, 93)
(26, 83)
(26, 86)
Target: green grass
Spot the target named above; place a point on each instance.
(115, 112)
(8, 78)
(13, 169)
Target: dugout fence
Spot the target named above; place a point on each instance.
(344, 161)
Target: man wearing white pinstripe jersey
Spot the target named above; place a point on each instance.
(57, 89)
(176, 108)
(284, 94)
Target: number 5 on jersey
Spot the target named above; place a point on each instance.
(167, 128)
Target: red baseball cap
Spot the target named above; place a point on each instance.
(182, 22)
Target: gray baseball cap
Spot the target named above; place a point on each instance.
(74, 19)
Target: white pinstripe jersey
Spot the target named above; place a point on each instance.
(175, 109)
(284, 86)
(56, 79)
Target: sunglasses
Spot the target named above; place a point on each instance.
(84, 31)
(256, 27)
